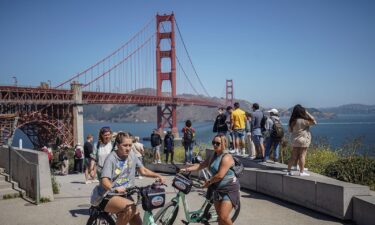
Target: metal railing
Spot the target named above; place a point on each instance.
(37, 188)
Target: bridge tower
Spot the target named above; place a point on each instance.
(166, 113)
(229, 93)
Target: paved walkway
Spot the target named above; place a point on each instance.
(71, 207)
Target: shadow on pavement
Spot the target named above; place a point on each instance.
(76, 212)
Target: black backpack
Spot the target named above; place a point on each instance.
(277, 131)
(62, 156)
(155, 140)
(188, 135)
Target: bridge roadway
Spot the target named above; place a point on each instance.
(71, 207)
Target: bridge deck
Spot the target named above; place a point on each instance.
(71, 207)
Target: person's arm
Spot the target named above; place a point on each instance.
(311, 119)
(226, 163)
(196, 167)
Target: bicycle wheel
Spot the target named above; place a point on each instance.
(100, 219)
(212, 216)
(167, 215)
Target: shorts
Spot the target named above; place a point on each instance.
(156, 149)
(239, 133)
(87, 162)
(258, 139)
(106, 199)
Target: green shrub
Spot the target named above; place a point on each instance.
(55, 185)
(318, 159)
(356, 169)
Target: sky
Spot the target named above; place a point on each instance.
(278, 52)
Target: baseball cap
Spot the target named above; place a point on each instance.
(274, 111)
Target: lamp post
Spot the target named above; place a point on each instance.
(15, 80)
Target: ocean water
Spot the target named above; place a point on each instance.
(336, 132)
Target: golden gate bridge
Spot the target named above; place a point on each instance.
(150, 69)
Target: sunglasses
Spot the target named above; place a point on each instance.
(216, 143)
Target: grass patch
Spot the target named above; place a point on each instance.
(44, 200)
(11, 196)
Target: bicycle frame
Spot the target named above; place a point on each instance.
(148, 218)
(195, 216)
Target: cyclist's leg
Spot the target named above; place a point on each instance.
(223, 209)
(125, 209)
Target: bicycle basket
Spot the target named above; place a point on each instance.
(152, 198)
(182, 183)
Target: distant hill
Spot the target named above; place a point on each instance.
(135, 113)
(351, 109)
(315, 112)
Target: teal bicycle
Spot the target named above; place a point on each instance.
(206, 214)
(151, 197)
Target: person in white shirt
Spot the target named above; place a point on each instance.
(102, 148)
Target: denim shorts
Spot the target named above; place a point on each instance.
(239, 133)
(258, 139)
(156, 149)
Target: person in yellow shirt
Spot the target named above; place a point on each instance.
(238, 122)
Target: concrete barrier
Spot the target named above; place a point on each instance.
(316, 192)
(364, 210)
(25, 173)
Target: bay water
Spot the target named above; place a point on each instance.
(335, 132)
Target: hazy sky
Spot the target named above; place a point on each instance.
(279, 53)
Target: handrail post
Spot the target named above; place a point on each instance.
(37, 200)
(10, 163)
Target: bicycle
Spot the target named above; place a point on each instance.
(206, 214)
(99, 217)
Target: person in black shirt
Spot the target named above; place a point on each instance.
(90, 171)
(220, 125)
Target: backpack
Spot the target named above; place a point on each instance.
(277, 131)
(78, 153)
(188, 135)
(263, 123)
(237, 168)
(155, 140)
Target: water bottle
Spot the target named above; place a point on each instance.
(20, 143)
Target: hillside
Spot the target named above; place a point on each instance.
(351, 109)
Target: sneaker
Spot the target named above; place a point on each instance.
(232, 151)
(252, 157)
(159, 161)
(243, 151)
(289, 173)
(296, 168)
(88, 182)
(95, 181)
(140, 177)
(303, 174)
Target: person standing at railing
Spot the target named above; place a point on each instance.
(224, 185)
(188, 140)
(299, 125)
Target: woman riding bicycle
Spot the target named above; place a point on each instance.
(223, 184)
(118, 174)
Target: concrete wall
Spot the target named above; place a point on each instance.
(364, 210)
(25, 174)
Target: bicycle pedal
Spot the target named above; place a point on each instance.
(184, 222)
